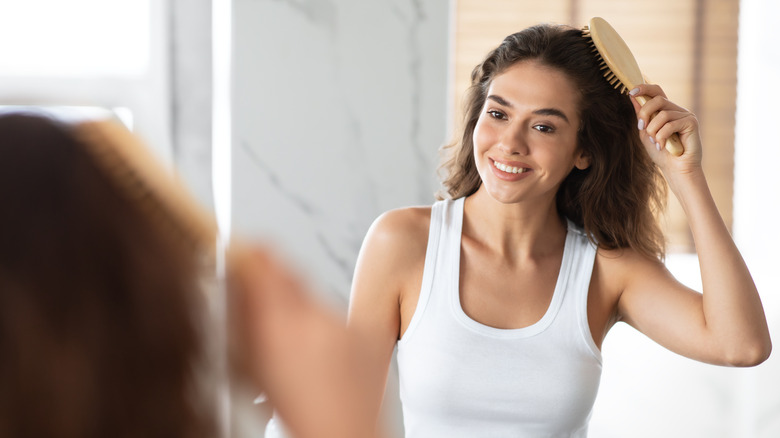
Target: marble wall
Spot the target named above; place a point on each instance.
(191, 90)
(339, 111)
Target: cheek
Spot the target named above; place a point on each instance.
(484, 136)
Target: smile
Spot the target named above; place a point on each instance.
(509, 169)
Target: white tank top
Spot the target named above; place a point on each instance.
(461, 378)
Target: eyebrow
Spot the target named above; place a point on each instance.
(541, 111)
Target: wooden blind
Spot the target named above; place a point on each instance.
(687, 46)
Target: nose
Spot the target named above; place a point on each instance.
(514, 141)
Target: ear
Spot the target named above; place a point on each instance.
(582, 160)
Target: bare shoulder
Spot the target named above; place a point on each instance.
(402, 227)
(398, 238)
(389, 265)
(395, 245)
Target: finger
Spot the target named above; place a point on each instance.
(649, 142)
(636, 104)
(663, 118)
(681, 126)
(662, 125)
(647, 90)
(659, 111)
(649, 110)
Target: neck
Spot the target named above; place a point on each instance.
(516, 230)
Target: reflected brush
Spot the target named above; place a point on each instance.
(145, 180)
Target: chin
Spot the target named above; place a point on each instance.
(504, 196)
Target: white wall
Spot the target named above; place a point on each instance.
(757, 200)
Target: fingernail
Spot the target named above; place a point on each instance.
(652, 140)
(634, 91)
(658, 146)
(641, 124)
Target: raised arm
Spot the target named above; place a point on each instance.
(725, 324)
(389, 266)
(296, 351)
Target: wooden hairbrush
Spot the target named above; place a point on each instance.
(620, 66)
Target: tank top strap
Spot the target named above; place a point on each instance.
(449, 249)
(441, 219)
(584, 251)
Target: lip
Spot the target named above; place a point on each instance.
(509, 176)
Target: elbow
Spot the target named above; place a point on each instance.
(750, 354)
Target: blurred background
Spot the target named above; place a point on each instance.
(300, 121)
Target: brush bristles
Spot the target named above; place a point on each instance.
(120, 156)
(608, 74)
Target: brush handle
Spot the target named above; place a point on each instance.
(673, 143)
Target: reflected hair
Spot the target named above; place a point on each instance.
(617, 200)
(99, 310)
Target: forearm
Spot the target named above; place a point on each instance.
(377, 354)
(733, 313)
(375, 330)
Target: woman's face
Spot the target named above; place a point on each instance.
(525, 140)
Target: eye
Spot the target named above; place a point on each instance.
(497, 114)
(547, 129)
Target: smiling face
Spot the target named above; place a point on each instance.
(525, 140)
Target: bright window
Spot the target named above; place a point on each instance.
(91, 54)
(74, 37)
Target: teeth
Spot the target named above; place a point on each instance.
(508, 169)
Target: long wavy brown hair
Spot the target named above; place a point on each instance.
(617, 199)
(99, 331)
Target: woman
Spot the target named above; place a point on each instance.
(102, 329)
(500, 296)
